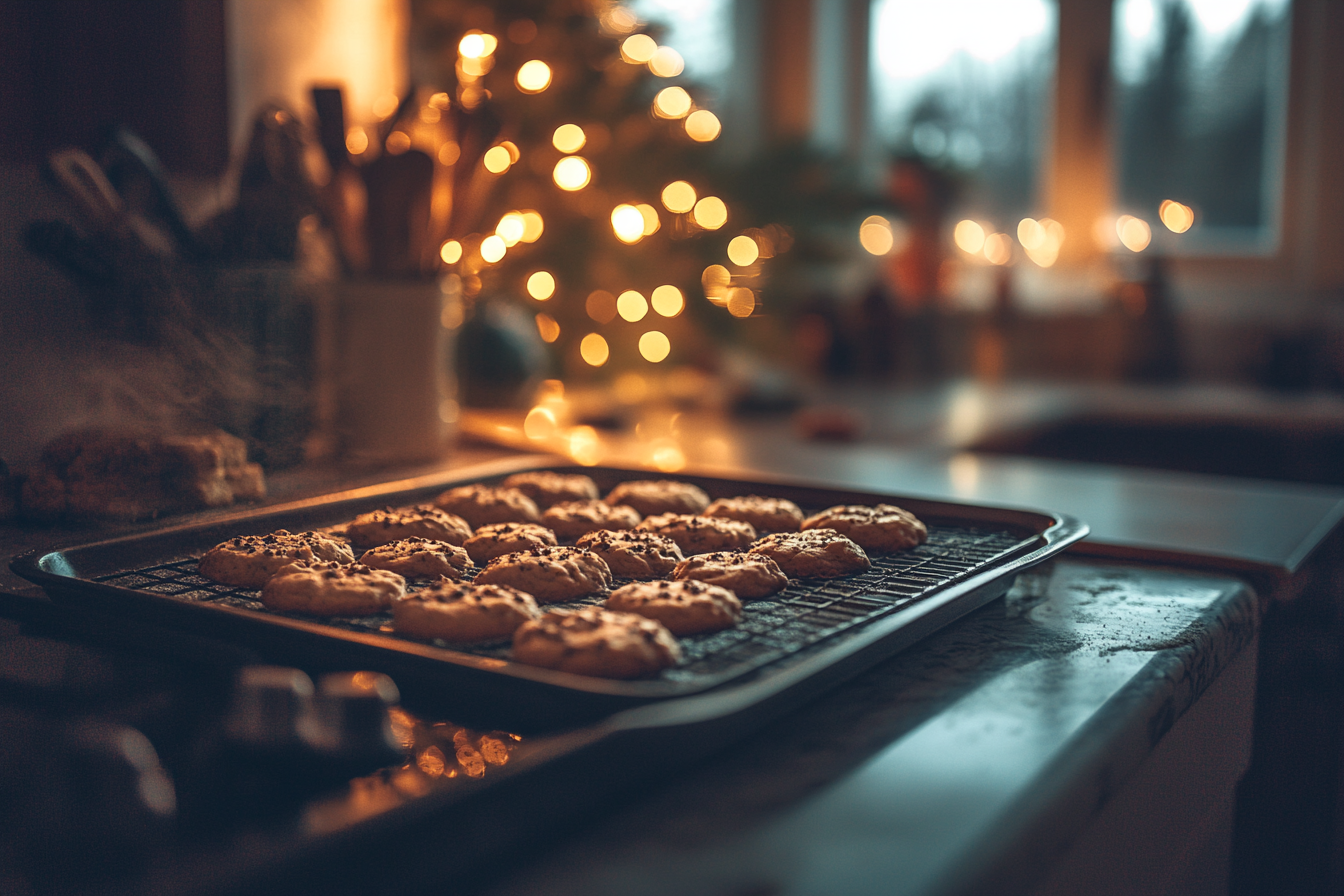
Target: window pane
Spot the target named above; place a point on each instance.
(966, 85)
(1202, 87)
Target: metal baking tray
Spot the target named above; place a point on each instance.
(827, 626)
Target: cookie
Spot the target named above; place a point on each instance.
(419, 558)
(332, 589)
(701, 534)
(546, 488)
(396, 523)
(651, 496)
(594, 641)
(814, 553)
(881, 528)
(686, 607)
(549, 574)
(570, 519)
(249, 560)
(766, 514)
(455, 611)
(481, 505)
(634, 555)
(747, 575)
(491, 541)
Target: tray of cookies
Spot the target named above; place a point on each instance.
(562, 593)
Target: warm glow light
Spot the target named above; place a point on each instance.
(356, 141)
(969, 236)
(585, 445)
(998, 248)
(541, 286)
(638, 48)
(451, 252)
(679, 197)
(572, 173)
(398, 142)
(449, 153)
(430, 114)
(569, 138)
(650, 215)
(510, 228)
(710, 213)
(628, 223)
(668, 301)
(477, 46)
(703, 126)
(667, 63)
(594, 351)
(547, 328)
(385, 105)
(672, 102)
(742, 251)
(1176, 216)
(540, 422)
(1045, 237)
(875, 235)
(667, 456)
(631, 306)
(533, 226)
(618, 19)
(1134, 233)
(654, 346)
(741, 302)
(493, 248)
(601, 306)
(715, 280)
(1030, 234)
(498, 159)
(534, 76)
(630, 388)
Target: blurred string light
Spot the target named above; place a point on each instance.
(449, 153)
(385, 105)
(654, 346)
(638, 49)
(969, 236)
(672, 102)
(541, 285)
(743, 251)
(497, 159)
(572, 173)
(651, 222)
(1134, 233)
(715, 280)
(666, 63)
(594, 350)
(741, 302)
(356, 141)
(875, 235)
(585, 445)
(998, 248)
(703, 126)
(569, 138)
(547, 328)
(534, 76)
(451, 252)
(710, 213)
(631, 306)
(668, 301)
(398, 142)
(1176, 216)
(679, 197)
(600, 306)
(493, 248)
(511, 228)
(618, 20)
(628, 223)
(533, 225)
(1041, 240)
(475, 45)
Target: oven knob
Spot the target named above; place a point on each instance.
(271, 710)
(353, 723)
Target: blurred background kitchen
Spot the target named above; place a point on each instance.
(354, 231)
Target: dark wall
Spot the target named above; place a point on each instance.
(70, 68)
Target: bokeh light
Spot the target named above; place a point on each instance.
(875, 235)
(477, 45)
(1134, 233)
(449, 153)
(715, 280)
(572, 173)
(666, 63)
(510, 228)
(969, 236)
(638, 48)
(672, 102)
(356, 141)
(451, 252)
(569, 138)
(398, 142)
(998, 248)
(741, 301)
(654, 346)
(594, 350)
(628, 223)
(533, 225)
(742, 251)
(710, 213)
(493, 248)
(541, 285)
(497, 159)
(703, 126)
(631, 306)
(534, 76)
(668, 301)
(547, 328)
(1176, 216)
(600, 306)
(679, 197)
(651, 222)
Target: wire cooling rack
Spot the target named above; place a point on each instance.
(803, 614)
